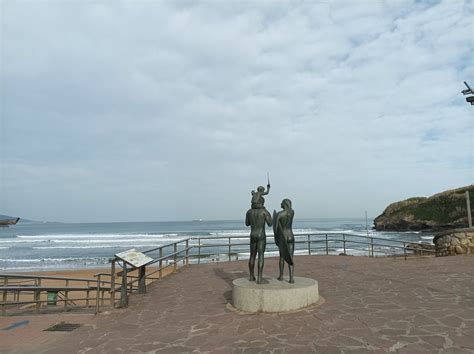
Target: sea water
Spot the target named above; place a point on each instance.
(49, 246)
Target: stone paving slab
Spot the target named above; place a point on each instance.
(24, 334)
(381, 305)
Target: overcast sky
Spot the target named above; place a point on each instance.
(176, 110)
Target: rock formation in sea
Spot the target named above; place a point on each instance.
(445, 210)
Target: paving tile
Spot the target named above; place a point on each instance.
(371, 305)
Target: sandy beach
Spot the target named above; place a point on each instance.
(86, 277)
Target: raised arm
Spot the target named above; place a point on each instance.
(267, 191)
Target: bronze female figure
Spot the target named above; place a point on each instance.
(284, 238)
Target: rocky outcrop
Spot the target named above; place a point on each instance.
(453, 242)
(446, 210)
(7, 222)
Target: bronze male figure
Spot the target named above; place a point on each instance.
(256, 218)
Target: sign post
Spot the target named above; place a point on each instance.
(137, 260)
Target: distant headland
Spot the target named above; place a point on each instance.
(445, 210)
(6, 221)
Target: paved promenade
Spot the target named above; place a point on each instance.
(422, 305)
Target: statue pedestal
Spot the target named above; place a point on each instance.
(274, 295)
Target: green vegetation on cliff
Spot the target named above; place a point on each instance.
(440, 211)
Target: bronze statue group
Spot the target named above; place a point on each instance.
(282, 222)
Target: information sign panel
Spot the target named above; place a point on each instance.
(134, 257)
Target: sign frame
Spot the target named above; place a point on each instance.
(134, 257)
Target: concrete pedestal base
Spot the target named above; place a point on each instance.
(274, 295)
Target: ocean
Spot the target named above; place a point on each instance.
(50, 246)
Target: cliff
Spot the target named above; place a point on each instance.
(445, 210)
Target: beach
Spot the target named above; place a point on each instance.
(86, 277)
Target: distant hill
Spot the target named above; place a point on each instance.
(4, 217)
(445, 210)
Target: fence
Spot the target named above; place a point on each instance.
(31, 290)
(226, 248)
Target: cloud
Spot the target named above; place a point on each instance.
(176, 110)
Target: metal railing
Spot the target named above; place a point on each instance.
(23, 291)
(224, 248)
(126, 280)
(228, 248)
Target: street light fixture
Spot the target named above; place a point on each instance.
(469, 91)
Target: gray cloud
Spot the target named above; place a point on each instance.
(176, 110)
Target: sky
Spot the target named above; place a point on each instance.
(176, 110)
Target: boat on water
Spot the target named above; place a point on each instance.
(8, 222)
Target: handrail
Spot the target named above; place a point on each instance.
(166, 245)
(21, 276)
(51, 288)
(168, 256)
(225, 248)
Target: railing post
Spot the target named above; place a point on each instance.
(142, 280)
(123, 288)
(187, 252)
(88, 293)
(404, 251)
(229, 249)
(160, 271)
(199, 250)
(372, 246)
(344, 242)
(112, 284)
(4, 306)
(66, 293)
(97, 295)
(327, 245)
(102, 297)
(309, 245)
(175, 249)
(38, 296)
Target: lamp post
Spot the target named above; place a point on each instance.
(468, 202)
(469, 91)
(469, 99)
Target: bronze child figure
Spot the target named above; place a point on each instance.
(257, 196)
